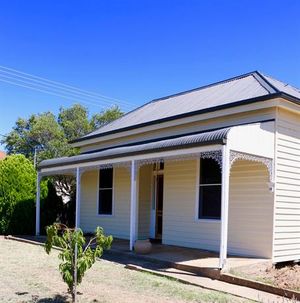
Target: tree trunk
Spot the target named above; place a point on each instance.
(73, 294)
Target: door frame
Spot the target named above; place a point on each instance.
(153, 222)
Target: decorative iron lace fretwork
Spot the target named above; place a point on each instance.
(114, 165)
(234, 156)
(216, 155)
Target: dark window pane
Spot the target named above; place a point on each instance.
(210, 172)
(160, 192)
(105, 202)
(106, 178)
(210, 202)
(161, 165)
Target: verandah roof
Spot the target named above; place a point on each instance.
(204, 138)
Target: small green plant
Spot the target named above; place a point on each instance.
(76, 257)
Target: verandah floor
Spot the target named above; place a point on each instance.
(189, 259)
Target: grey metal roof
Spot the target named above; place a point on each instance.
(283, 87)
(203, 138)
(238, 89)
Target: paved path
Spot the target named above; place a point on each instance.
(190, 278)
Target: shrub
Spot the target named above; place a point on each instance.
(17, 194)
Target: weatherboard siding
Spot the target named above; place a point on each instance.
(250, 219)
(250, 206)
(144, 206)
(180, 226)
(117, 224)
(287, 201)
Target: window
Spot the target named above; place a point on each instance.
(209, 190)
(105, 205)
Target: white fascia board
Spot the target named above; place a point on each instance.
(216, 114)
(93, 164)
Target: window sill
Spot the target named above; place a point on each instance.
(105, 216)
(208, 220)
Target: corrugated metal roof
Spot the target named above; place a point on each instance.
(244, 87)
(203, 138)
(283, 87)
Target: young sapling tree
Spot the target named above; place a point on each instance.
(76, 257)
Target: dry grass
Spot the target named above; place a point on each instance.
(29, 275)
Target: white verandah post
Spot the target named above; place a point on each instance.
(77, 223)
(78, 189)
(37, 205)
(133, 203)
(224, 206)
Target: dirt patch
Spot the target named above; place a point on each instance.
(287, 276)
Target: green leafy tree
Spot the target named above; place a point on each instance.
(76, 257)
(41, 132)
(105, 117)
(17, 186)
(74, 121)
(49, 135)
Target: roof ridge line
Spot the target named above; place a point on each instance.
(265, 83)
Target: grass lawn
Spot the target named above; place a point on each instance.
(28, 274)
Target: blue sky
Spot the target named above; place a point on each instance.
(140, 50)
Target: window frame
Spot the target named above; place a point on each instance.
(197, 201)
(113, 195)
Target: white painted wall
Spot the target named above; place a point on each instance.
(287, 190)
(250, 221)
(179, 224)
(117, 224)
(250, 210)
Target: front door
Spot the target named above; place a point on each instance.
(159, 205)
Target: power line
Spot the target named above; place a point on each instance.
(50, 93)
(29, 81)
(44, 89)
(59, 88)
(62, 84)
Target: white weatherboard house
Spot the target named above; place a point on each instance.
(214, 168)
